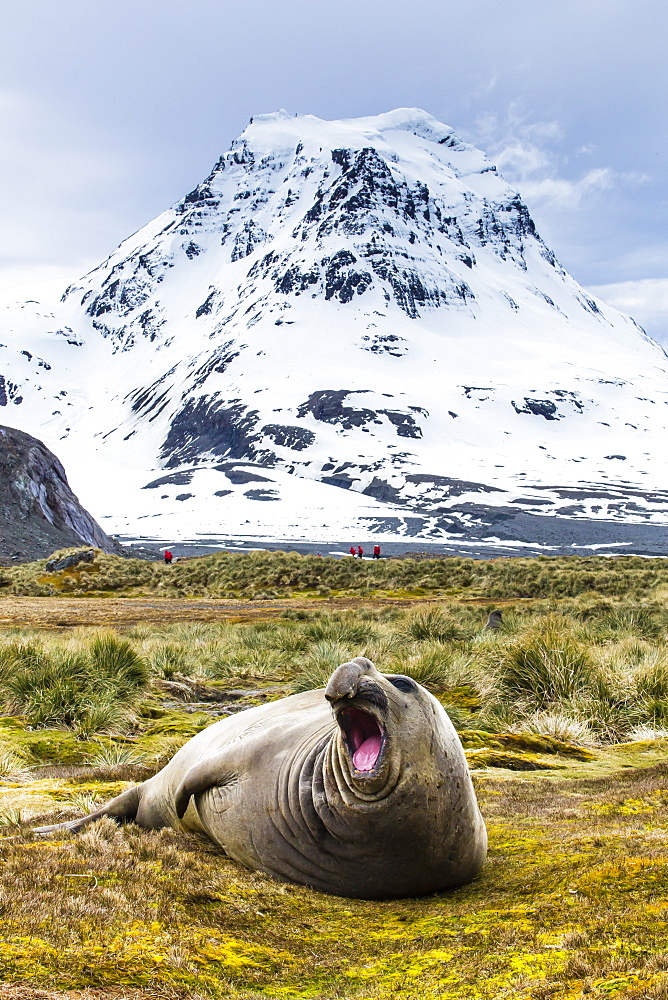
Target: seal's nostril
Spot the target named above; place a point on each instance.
(337, 695)
(343, 682)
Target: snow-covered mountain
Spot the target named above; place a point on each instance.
(347, 326)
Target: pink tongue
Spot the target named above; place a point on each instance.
(366, 756)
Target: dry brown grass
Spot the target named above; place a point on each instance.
(16, 991)
(128, 612)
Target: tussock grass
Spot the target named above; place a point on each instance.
(13, 764)
(432, 623)
(281, 574)
(89, 689)
(85, 802)
(551, 666)
(639, 623)
(167, 660)
(347, 629)
(319, 664)
(558, 725)
(597, 669)
(651, 676)
(436, 666)
(644, 733)
(107, 755)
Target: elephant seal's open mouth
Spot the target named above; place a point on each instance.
(364, 737)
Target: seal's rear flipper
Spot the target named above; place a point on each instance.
(123, 808)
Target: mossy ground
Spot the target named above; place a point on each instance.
(571, 903)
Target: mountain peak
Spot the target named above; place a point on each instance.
(403, 119)
(277, 130)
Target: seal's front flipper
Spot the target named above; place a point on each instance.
(217, 771)
(123, 808)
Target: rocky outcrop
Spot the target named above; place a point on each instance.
(38, 510)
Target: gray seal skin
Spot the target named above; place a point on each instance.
(360, 790)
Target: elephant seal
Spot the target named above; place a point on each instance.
(360, 790)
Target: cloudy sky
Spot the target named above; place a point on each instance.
(111, 110)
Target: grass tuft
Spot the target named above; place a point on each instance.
(558, 725)
(13, 764)
(549, 666)
(641, 733)
(110, 755)
(89, 690)
(433, 624)
(320, 663)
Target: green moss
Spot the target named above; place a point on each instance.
(464, 696)
(543, 744)
(162, 737)
(177, 724)
(48, 746)
(518, 742)
(63, 790)
(512, 761)
(11, 722)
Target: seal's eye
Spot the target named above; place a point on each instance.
(403, 684)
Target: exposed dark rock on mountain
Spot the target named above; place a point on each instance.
(38, 510)
(210, 426)
(328, 406)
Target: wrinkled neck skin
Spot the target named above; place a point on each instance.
(402, 821)
(324, 824)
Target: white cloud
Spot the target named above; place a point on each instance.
(521, 160)
(580, 206)
(645, 299)
(558, 192)
(529, 153)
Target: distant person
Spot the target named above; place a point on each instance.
(168, 557)
(376, 551)
(360, 551)
(353, 551)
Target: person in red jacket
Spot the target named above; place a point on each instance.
(360, 551)
(376, 551)
(168, 557)
(352, 551)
